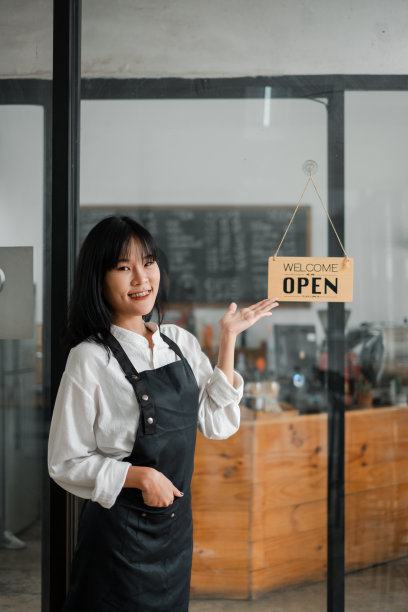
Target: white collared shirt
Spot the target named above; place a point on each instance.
(96, 413)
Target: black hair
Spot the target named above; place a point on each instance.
(89, 315)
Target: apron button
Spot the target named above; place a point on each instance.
(145, 397)
(172, 515)
(144, 514)
(150, 420)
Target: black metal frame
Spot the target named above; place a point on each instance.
(335, 367)
(58, 513)
(66, 101)
(304, 86)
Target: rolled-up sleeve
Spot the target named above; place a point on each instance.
(219, 410)
(74, 461)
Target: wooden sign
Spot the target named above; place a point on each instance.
(311, 279)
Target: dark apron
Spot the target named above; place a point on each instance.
(134, 557)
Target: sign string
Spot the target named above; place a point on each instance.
(310, 180)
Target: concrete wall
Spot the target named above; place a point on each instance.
(191, 38)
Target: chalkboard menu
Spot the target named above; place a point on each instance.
(216, 255)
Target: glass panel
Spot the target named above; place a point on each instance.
(377, 357)
(259, 497)
(22, 427)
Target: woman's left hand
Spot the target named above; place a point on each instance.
(236, 321)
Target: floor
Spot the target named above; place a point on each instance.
(20, 574)
(383, 588)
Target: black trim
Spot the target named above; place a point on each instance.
(46, 516)
(65, 203)
(25, 91)
(241, 87)
(37, 91)
(335, 366)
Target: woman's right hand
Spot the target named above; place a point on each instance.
(157, 489)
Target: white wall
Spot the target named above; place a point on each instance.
(192, 38)
(220, 152)
(21, 184)
(377, 203)
(199, 151)
(207, 152)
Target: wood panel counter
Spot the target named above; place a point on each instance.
(260, 497)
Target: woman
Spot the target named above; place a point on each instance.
(124, 424)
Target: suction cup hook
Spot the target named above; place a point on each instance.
(310, 167)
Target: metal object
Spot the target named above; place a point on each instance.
(60, 538)
(368, 341)
(336, 346)
(254, 402)
(17, 295)
(310, 167)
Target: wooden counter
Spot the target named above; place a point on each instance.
(259, 500)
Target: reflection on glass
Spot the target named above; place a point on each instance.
(259, 498)
(377, 351)
(22, 427)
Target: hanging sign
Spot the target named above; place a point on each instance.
(311, 279)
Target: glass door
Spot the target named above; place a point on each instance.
(23, 424)
(229, 172)
(376, 456)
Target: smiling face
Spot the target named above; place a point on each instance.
(131, 287)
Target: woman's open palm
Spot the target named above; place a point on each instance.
(236, 321)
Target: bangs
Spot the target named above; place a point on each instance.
(122, 230)
(148, 248)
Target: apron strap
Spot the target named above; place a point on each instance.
(124, 361)
(172, 345)
(138, 383)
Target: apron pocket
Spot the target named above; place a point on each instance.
(147, 536)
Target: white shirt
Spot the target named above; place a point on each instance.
(96, 413)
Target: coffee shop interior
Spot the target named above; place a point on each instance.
(197, 118)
